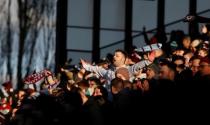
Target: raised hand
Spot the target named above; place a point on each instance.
(151, 56)
(83, 62)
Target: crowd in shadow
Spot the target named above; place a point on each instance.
(168, 84)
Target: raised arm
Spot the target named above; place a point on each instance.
(151, 57)
(96, 69)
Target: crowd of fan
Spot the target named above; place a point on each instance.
(127, 87)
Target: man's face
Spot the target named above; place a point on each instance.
(186, 43)
(204, 68)
(202, 53)
(150, 73)
(178, 62)
(21, 94)
(119, 59)
(164, 72)
(179, 52)
(204, 29)
(195, 65)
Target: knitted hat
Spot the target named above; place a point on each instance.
(124, 72)
(173, 45)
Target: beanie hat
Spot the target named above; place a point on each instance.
(173, 45)
(124, 72)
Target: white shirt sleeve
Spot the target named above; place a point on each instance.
(135, 67)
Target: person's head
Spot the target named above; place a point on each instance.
(205, 28)
(152, 71)
(116, 85)
(145, 85)
(179, 52)
(195, 44)
(21, 94)
(203, 52)
(50, 80)
(127, 84)
(93, 82)
(179, 61)
(204, 66)
(101, 91)
(104, 63)
(187, 56)
(186, 42)
(167, 70)
(119, 58)
(122, 73)
(83, 85)
(195, 64)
